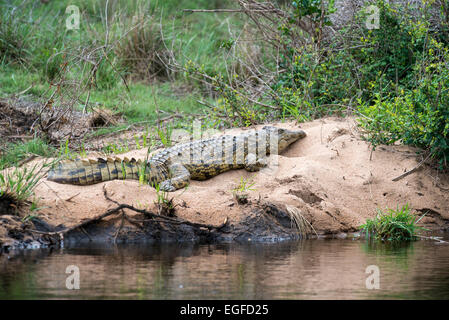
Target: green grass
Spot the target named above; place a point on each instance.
(17, 184)
(14, 80)
(141, 103)
(16, 152)
(116, 148)
(393, 225)
(242, 190)
(195, 36)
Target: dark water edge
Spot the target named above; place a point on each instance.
(308, 269)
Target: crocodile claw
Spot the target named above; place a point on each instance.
(166, 186)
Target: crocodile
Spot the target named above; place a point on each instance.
(172, 168)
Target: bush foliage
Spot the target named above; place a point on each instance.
(395, 77)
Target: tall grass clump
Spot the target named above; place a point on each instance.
(14, 36)
(17, 186)
(30, 34)
(142, 52)
(393, 225)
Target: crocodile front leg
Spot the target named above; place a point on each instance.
(253, 164)
(180, 178)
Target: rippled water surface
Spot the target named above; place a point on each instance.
(312, 269)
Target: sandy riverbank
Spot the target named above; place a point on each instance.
(331, 177)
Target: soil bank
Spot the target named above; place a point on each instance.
(332, 178)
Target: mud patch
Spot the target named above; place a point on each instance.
(262, 223)
(16, 234)
(7, 205)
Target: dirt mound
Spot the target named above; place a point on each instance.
(327, 176)
(14, 124)
(22, 118)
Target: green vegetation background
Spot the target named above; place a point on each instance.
(395, 77)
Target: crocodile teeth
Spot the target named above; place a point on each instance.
(117, 159)
(125, 159)
(92, 161)
(85, 162)
(110, 160)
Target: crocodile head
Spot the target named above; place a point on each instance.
(285, 136)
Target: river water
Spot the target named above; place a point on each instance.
(309, 269)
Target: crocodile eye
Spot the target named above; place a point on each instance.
(281, 131)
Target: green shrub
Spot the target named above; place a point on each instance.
(106, 75)
(396, 77)
(417, 116)
(389, 52)
(316, 86)
(392, 225)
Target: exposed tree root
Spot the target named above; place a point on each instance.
(155, 218)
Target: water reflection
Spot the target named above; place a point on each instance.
(315, 269)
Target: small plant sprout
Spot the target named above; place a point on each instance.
(146, 141)
(143, 179)
(142, 141)
(64, 150)
(136, 139)
(241, 191)
(83, 152)
(164, 205)
(246, 184)
(165, 135)
(123, 171)
(141, 206)
(114, 148)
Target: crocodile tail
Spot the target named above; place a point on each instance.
(84, 172)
